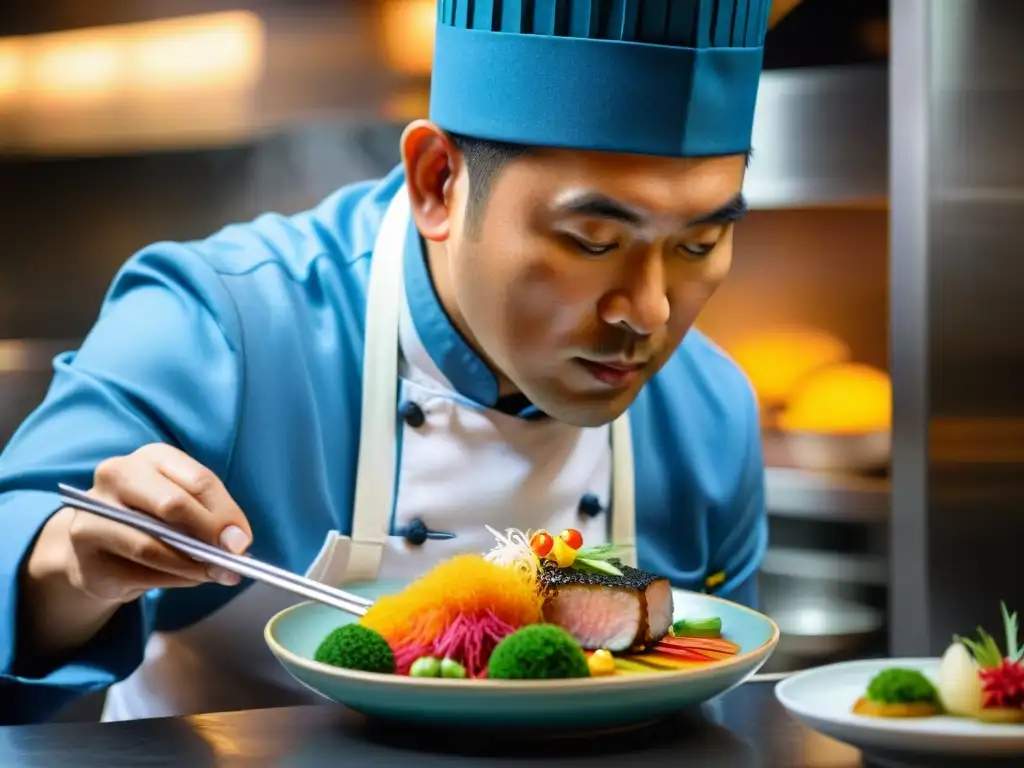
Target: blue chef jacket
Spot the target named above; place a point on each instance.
(245, 350)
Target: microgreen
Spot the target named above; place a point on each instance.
(986, 650)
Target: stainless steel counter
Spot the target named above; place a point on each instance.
(747, 727)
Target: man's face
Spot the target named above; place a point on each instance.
(586, 271)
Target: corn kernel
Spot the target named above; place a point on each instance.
(601, 663)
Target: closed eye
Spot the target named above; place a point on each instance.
(593, 249)
(699, 250)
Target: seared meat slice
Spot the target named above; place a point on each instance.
(631, 612)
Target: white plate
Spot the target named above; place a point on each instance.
(823, 698)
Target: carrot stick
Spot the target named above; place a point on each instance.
(701, 643)
(719, 642)
(682, 653)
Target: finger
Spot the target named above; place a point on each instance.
(204, 485)
(96, 538)
(137, 482)
(108, 577)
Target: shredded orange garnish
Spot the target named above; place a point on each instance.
(465, 585)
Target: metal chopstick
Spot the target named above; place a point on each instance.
(245, 566)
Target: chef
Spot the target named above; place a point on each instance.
(497, 333)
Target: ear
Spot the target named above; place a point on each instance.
(431, 166)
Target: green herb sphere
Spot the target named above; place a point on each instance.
(354, 646)
(901, 686)
(538, 652)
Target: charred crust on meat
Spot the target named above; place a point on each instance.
(633, 579)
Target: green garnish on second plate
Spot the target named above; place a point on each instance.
(901, 686)
(899, 692)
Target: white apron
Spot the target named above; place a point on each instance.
(472, 467)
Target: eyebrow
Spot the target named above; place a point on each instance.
(732, 211)
(599, 206)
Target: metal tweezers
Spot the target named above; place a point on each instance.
(243, 565)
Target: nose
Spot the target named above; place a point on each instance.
(642, 303)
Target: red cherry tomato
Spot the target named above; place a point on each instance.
(572, 538)
(541, 543)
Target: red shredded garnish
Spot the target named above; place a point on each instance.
(406, 655)
(469, 641)
(1003, 686)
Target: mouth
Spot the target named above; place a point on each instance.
(616, 374)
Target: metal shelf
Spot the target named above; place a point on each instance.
(797, 493)
(821, 138)
(817, 565)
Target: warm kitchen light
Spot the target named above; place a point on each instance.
(11, 65)
(201, 53)
(845, 399)
(407, 29)
(82, 67)
(781, 9)
(776, 360)
(215, 52)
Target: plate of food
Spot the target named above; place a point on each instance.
(969, 702)
(539, 632)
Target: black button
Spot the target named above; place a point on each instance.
(590, 506)
(416, 532)
(412, 414)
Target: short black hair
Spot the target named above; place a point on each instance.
(484, 161)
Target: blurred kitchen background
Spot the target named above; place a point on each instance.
(130, 121)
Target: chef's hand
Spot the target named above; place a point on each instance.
(83, 567)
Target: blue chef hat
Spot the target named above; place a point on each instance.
(673, 78)
(676, 78)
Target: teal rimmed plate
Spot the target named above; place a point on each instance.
(294, 634)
